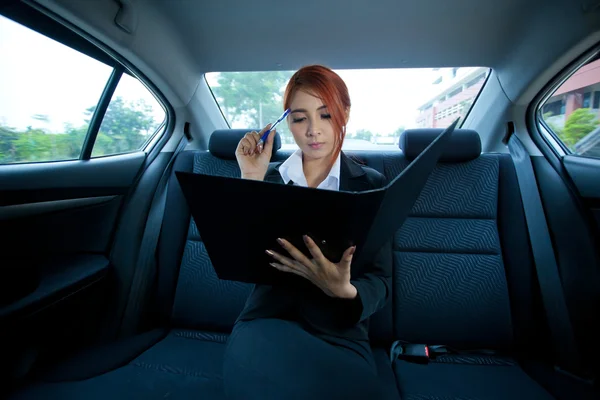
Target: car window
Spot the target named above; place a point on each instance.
(132, 117)
(50, 93)
(385, 102)
(47, 90)
(572, 112)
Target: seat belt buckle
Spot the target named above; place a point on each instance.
(416, 353)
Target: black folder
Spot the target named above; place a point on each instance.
(238, 219)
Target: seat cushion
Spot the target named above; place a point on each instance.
(185, 364)
(466, 377)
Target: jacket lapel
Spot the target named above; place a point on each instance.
(352, 176)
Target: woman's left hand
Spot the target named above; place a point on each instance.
(331, 278)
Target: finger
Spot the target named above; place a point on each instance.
(245, 137)
(315, 251)
(256, 136)
(295, 253)
(252, 137)
(283, 259)
(248, 146)
(259, 147)
(256, 147)
(291, 263)
(303, 274)
(347, 257)
(285, 268)
(268, 146)
(263, 130)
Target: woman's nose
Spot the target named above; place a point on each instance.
(313, 129)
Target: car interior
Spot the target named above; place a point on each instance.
(106, 288)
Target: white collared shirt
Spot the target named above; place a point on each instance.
(291, 169)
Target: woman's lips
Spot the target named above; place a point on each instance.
(316, 146)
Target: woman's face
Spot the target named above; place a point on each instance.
(310, 123)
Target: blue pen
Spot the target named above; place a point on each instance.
(263, 138)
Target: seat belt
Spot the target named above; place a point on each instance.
(145, 270)
(555, 305)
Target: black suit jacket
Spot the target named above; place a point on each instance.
(308, 304)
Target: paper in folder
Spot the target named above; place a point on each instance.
(238, 219)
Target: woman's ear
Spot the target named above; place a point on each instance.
(347, 115)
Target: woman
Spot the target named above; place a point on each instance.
(309, 342)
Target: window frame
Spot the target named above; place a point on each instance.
(486, 79)
(212, 93)
(41, 20)
(551, 139)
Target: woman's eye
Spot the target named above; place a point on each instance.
(296, 120)
(326, 116)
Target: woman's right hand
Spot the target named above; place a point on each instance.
(254, 162)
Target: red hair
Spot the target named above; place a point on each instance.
(325, 84)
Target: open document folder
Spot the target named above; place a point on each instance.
(238, 219)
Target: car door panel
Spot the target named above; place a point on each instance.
(61, 209)
(83, 229)
(60, 277)
(35, 182)
(64, 312)
(58, 221)
(585, 174)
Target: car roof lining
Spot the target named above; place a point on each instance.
(271, 35)
(176, 42)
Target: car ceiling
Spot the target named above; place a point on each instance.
(230, 35)
(176, 41)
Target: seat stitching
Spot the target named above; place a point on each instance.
(167, 369)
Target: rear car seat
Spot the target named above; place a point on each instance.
(456, 262)
(464, 278)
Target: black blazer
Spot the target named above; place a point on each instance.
(337, 317)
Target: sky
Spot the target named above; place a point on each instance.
(33, 80)
(384, 100)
